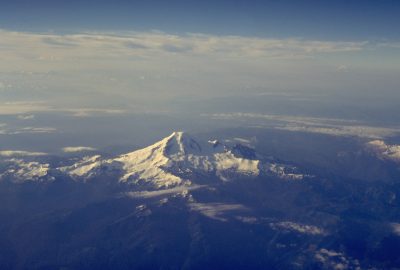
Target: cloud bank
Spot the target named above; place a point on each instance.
(138, 67)
(58, 47)
(6, 130)
(14, 153)
(328, 126)
(157, 72)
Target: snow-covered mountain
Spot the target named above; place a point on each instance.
(187, 203)
(175, 159)
(20, 170)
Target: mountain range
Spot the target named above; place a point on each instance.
(173, 161)
(189, 203)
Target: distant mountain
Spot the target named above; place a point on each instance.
(174, 160)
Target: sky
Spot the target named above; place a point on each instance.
(331, 20)
(88, 59)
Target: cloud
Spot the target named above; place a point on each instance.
(87, 112)
(164, 192)
(26, 117)
(5, 130)
(57, 41)
(249, 142)
(105, 68)
(34, 130)
(329, 126)
(217, 211)
(4, 86)
(394, 45)
(133, 45)
(13, 153)
(395, 228)
(276, 117)
(23, 109)
(73, 149)
(331, 259)
(385, 151)
(297, 227)
(58, 46)
(356, 130)
(342, 68)
(177, 49)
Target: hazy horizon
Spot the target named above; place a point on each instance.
(134, 63)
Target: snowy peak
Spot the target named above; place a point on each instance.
(148, 164)
(171, 161)
(176, 144)
(180, 143)
(178, 159)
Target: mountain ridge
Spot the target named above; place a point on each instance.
(171, 161)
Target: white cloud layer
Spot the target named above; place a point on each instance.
(152, 70)
(6, 130)
(138, 67)
(23, 110)
(23, 107)
(329, 126)
(57, 47)
(217, 211)
(14, 153)
(115, 72)
(74, 149)
(182, 190)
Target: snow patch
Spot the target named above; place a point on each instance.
(84, 167)
(26, 171)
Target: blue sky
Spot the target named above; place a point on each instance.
(332, 20)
